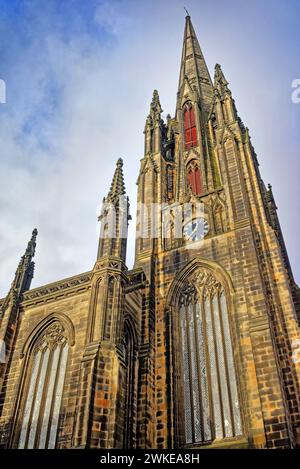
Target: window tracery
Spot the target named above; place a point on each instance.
(211, 404)
(47, 366)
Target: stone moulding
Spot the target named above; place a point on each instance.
(54, 290)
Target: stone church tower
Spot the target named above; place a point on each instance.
(198, 344)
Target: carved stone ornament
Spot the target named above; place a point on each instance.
(53, 335)
(206, 279)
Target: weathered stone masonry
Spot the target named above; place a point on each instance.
(196, 346)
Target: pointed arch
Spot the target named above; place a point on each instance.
(130, 356)
(38, 406)
(206, 401)
(194, 177)
(42, 325)
(195, 265)
(190, 128)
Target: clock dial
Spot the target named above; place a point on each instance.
(195, 230)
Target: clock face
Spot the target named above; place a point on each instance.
(195, 230)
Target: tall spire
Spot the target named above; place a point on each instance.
(193, 65)
(117, 187)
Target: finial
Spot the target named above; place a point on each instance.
(155, 98)
(220, 80)
(120, 163)
(155, 104)
(117, 187)
(218, 71)
(187, 13)
(30, 251)
(26, 265)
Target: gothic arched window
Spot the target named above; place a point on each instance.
(194, 178)
(211, 405)
(44, 388)
(190, 129)
(129, 346)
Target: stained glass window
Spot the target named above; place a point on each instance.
(47, 362)
(190, 129)
(194, 178)
(211, 404)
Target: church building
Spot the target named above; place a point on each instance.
(196, 346)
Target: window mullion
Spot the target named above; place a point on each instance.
(34, 371)
(226, 364)
(43, 398)
(58, 396)
(207, 363)
(34, 398)
(217, 362)
(190, 370)
(197, 354)
(37, 401)
(52, 396)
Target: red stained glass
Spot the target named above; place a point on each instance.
(194, 180)
(190, 128)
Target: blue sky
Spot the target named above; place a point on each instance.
(80, 77)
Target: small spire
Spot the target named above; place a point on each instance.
(117, 187)
(155, 107)
(219, 75)
(220, 81)
(25, 270)
(30, 250)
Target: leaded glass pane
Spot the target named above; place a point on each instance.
(231, 368)
(216, 399)
(194, 371)
(28, 406)
(38, 399)
(45, 389)
(222, 369)
(211, 403)
(49, 398)
(58, 397)
(203, 376)
(186, 378)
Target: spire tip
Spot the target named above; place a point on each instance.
(187, 13)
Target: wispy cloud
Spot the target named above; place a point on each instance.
(79, 81)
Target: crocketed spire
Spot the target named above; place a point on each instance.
(117, 187)
(220, 81)
(155, 107)
(24, 273)
(23, 276)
